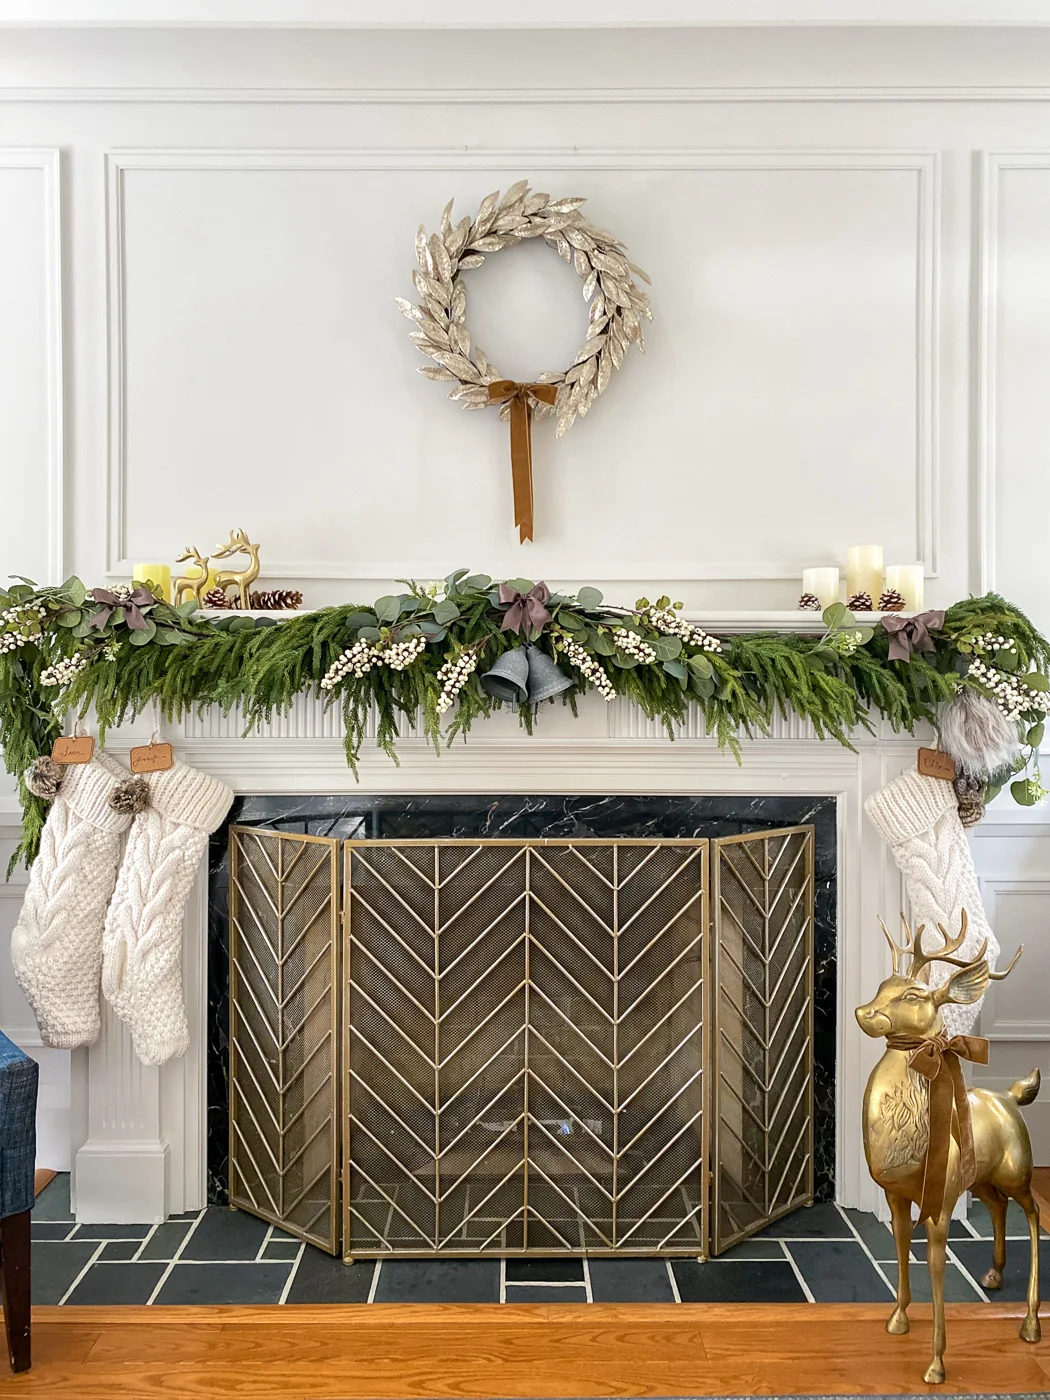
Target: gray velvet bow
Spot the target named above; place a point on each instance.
(908, 634)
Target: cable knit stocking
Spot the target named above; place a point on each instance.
(56, 946)
(142, 946)
(918, 818)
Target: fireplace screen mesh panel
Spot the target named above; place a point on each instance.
(763, 1030)
(524, 1047)
(284, 1083)
(515, 1046)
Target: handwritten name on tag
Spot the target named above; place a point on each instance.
(76, 750)
(152, 758)
(935, 764)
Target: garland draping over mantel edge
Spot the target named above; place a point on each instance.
(423, 653)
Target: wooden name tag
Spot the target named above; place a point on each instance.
(935, 764)
(78, 750)
(152, 758)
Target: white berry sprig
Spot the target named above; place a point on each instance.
(585, 663)
(632, 645)
(66, 669)
(671, 623)
(1008, 692)
(359, 659)
(454, 675)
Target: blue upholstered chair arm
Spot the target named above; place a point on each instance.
(18, 1090)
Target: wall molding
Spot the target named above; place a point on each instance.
(990, 167)
(48, 161)
(530, 96)
(925, 165)
(992, 889)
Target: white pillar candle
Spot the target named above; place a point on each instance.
(864, 571)
(823, 584)
(910, 583)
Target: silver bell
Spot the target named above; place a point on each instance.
(509, 678)
(546, 678)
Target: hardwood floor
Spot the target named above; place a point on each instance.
(463, 1351)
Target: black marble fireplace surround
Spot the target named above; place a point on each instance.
(480, 816)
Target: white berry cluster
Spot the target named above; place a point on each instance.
(990, 641)
(672, 624)
(633, 645)
(122, 592)
(356, 660)
(362, 656)
(18, 615)
(454, 675)
(587, 666)
(63, 671)
(1011, 695)
(398, 655)
(11, 641)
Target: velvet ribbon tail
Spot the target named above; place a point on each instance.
(521, 398)
(938, 1059)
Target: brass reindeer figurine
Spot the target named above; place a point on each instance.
(238, 543)
(927, 1139)
(187, 586)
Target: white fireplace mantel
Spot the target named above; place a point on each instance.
(141, 1152)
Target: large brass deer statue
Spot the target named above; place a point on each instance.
(927, 1139)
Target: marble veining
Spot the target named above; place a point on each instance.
(473, 816)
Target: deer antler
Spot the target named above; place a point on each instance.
(998, 976)
(897, 951)
(920, 959)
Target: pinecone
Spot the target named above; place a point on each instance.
(859, 602)
(891, 601)
(969, 795)
(809, 602)
(216, 598)
(275, 600)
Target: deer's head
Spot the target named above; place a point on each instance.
(238, 543)
(189, 552)
(906, 1004)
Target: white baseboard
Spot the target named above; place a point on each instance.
(121, 1183)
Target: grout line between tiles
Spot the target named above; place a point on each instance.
(954, 1258)
(260, 1252)
(149, 1235)
(798, 1272)
(375, 1282)
(101, 1246)
(587, 1278)
(291, 1275)
(878, 1267)
(174, 1260)
(549, 1283)
(503, 1280)
(674, 1282)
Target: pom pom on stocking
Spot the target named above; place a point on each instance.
(44, 777)
(130, 797)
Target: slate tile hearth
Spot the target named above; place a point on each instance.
(820, 1254)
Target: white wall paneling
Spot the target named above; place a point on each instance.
(31, 395)
(1013, 348)
(253, 338)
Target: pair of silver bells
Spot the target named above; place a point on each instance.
(525, 675)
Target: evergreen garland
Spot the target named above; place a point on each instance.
(60, 655)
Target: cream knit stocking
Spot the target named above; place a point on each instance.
(56, 946)
(142, 946)
(918, 818)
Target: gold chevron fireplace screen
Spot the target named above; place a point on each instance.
(463, 1047)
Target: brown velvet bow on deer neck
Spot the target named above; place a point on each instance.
(521, 397)
(908, 634)
(937, 1058)
(132, 605)
(527, 612)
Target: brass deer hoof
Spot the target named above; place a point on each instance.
(898, 1323)
(934, 1372)
(1030, 1329)
(992, 1279)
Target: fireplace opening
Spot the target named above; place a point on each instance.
(551, 1024)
